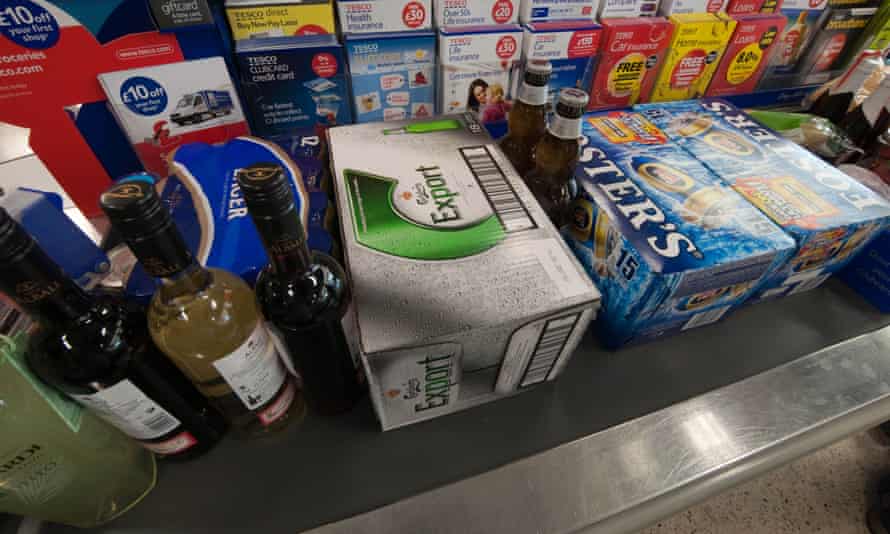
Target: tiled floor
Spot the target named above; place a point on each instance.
(827, 491)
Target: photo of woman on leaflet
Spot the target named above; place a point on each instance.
(477, 94)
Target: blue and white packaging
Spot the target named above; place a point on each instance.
(462, 13)
(377, 16)
(289, 83)
(552, 10)
(669, 244)
(869, 272)
(475, 65)
(830, 215)
(393, 75)
(207, 207)
(572, 47)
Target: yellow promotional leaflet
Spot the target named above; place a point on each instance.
(693, 56)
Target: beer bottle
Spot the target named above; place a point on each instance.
(834, 103)
(527, 121)
(870, 119)
(556, 154)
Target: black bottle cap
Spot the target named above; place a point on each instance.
(571, 103)
(14, 240)
(134, 208)
(138, 215)
(266, 189)
(537, 73)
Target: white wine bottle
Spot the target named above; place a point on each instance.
(206, 320)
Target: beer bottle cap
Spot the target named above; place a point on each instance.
(266, 189)
(134, 208)
(571, 103)
(537, 73)
(14, 240)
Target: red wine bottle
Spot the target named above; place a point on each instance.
(304, 295)
(96, 349)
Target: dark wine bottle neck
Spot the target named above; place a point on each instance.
(40, 286)
(163, 252)
(284, 238)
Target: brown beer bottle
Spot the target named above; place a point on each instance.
(556, 156)
(528, 118)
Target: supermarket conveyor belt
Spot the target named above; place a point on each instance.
(621, 440)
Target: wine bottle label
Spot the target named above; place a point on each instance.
(276, 409)
(178, 443)
(254, 371)
(129, 409)
(281, 347)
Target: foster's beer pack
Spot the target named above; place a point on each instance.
(669, 244)
(830, 215)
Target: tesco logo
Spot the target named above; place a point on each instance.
(358, 8)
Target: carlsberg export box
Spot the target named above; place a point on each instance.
(670, 245)
(830, 215)
(463, 290)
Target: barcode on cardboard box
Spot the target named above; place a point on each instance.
(550, 345)
(503, 198)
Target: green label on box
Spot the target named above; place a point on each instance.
(425, 218)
